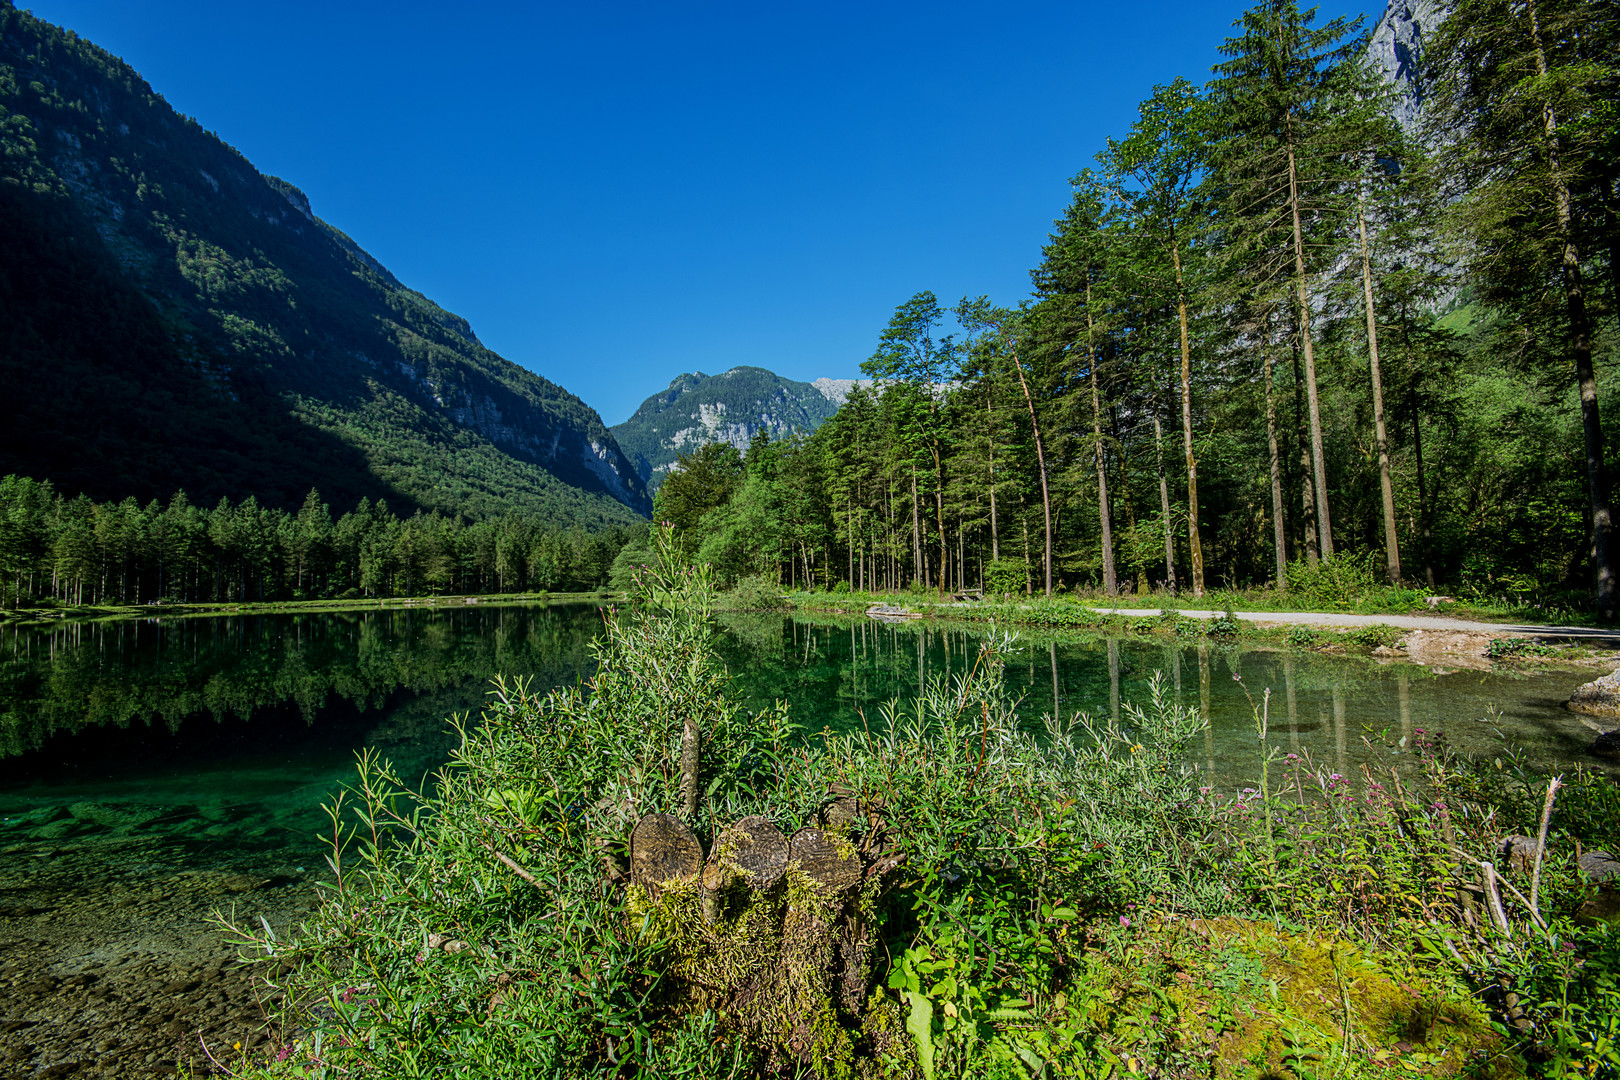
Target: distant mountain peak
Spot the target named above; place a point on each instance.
(731, 407)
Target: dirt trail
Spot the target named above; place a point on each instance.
(1404, 622)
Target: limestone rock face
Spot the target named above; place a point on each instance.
(1397, 46)
(731, 407)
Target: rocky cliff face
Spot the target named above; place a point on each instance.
(731, 407)
(242, 345)
(1396, 48)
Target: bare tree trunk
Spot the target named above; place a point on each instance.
(1110, 581)
(1580, 340)
(1307, 488)
(918, 569)
(1195, 547)
(689, 766)
(1425, 528)
(939, 517)
(1040, 457)
(990, 440)
(1386, 485)
(1318, 458)
(1278, 530)
(1164, 506)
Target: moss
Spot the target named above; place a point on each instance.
(769, 964)
(1249, 999)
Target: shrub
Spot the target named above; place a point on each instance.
(840, 587)
(1303, 637)
(1005, 576)
(1339, 582)
(1503, 648)
(756, 593)
(1375, 636)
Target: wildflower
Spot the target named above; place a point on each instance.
(1124, 921)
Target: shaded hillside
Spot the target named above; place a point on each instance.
(730, 407)
(175, 319)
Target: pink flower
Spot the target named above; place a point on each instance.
(1123, 921)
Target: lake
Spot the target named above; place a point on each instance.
(158, 769)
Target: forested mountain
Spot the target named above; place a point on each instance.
(1351, 299)
(173, 319)
(731, 407)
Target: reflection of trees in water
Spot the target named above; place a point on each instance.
(66, 679)
(831, 670)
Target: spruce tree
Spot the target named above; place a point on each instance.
(1524, 111)
(1277, 163)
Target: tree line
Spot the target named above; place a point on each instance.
(74, 550)
(1272, 326)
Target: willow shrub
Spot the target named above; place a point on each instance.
(476, 930)
(1064, 890)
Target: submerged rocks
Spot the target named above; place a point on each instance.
(1603, 906)
(114, 815)
(1607, 744)
(1600, 697)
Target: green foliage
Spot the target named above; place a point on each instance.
(1333, 584)
(756, 593)
(1303, 637)
(1004, 576)
(58, 550)
(1503, 648)
(1375, 636)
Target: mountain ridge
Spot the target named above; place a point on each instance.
(242, 345)
(731, 407)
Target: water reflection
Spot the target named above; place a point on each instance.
(237, 728)
(1342, 710)
(66, 679)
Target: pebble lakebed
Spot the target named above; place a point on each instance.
(111, 963)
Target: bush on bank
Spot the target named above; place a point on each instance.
(1071, 902)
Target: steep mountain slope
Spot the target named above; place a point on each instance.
(730, 407)
(173, 318)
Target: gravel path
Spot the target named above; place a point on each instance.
(1405, 622)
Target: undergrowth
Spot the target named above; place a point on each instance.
(1071, 901)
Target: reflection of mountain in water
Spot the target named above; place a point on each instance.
(66, 680)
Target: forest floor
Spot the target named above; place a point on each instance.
(97, 612)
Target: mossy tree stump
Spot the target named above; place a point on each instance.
(774, 933)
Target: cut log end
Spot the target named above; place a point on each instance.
(821, 861)
(662, 849)
(757, 848)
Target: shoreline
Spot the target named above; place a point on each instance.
(114, 612)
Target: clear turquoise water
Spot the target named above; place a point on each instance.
(227, 733)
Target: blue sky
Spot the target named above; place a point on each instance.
(613, 194)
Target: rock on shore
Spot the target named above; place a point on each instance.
(1600, 697)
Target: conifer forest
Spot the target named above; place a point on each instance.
(1274, 325)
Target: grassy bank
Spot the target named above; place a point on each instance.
(1071, 616)
(1347, 584)
(1001, 903)
(42, 615)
